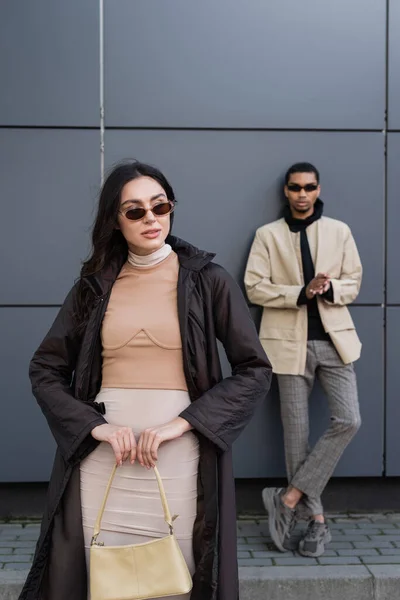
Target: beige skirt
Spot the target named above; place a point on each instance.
(133, 512)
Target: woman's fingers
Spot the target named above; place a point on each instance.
(149, 436)
(127, 444)
(123, 443)
(120, 440)
(154, 449)
(147, 448)
(114, 442)
(139, 450)
(133, 447)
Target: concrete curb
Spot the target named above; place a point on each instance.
(356, 582)
(11, 583)
(380, 582)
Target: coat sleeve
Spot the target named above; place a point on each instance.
(222, 412)
(51, 370)
(260, 290)
(347, 287)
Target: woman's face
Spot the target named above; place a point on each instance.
(148, 234)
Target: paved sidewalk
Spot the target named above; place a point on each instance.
(361, 563)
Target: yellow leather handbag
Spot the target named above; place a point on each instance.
(140, 571)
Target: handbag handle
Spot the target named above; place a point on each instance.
(167, 514)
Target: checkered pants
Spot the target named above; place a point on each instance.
(310, 470)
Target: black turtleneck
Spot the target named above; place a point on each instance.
(315, 327)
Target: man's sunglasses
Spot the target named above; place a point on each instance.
(309, 187)
(159, 210)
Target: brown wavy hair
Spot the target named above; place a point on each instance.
(108, 243)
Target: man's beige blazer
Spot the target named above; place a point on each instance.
(274, 280)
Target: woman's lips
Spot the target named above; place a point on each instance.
(152, 233)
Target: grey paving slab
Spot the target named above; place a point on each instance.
(382, 544)
(362, 531)
(32, 535)
(272, 554)
(255, 562)
(253, 547)
(331, 552)
(13, 558)
(341, 545)
(390, 551)
(382, 560)
(23, 566)
(353, 538)
(256, 539)
(24, 550)
(17, 544)
(358, 552)
(295, 561)
(339, 560)
(387, 538)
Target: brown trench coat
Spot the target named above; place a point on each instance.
(66, 377)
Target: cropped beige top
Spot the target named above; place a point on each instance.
(141, 338)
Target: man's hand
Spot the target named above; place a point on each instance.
(319, 285)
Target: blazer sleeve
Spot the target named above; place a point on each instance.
(51, 371)
(347, 287)
(257, 280)
(222, 412)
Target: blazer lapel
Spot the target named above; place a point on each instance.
(293, 265)
(322, 247)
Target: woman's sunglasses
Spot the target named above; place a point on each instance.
(159, 210)
(309, 187)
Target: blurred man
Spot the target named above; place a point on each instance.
(304, 269)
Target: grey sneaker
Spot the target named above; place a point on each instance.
(315, 539)
(281, 518)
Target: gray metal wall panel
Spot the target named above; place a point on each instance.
(245, 64)
(49, 183)
(259, 451)
(26, 445)
(392, 392)
(393, 208)
(228, 185)
(49, 63)
(394, 64)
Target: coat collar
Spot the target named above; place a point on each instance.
(190, 258)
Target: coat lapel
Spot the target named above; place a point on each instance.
(293, 265)
(320, 245)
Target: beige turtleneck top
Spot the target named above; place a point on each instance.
(141, 338)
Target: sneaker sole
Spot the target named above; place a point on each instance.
(314, 554)
(268, 500)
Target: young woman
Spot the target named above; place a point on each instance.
(129, 372)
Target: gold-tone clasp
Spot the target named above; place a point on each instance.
(170, 525)
(94, 541)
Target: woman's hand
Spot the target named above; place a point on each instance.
(150, 440)
(121, 440)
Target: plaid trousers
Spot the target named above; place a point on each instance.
(310, 470)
